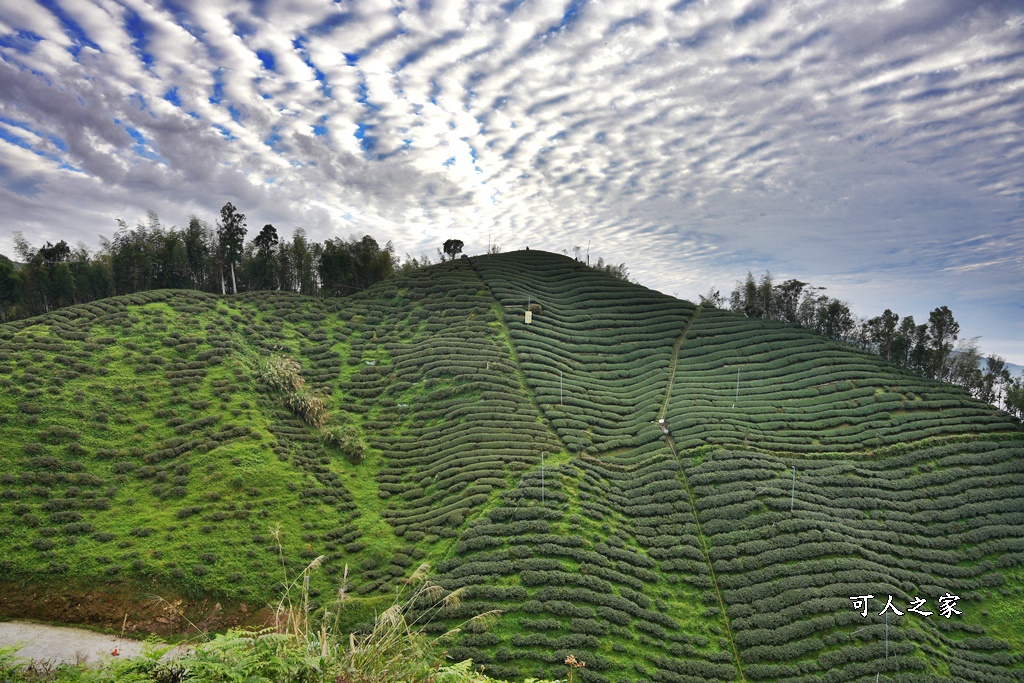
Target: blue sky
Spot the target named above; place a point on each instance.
(874, 147)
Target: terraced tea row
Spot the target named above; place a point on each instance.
(147, 442)
(596, 560)
(775, 387)
(597, 350)
(442, 401)
(937, 522)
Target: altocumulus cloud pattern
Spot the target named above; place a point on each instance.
(875, 146)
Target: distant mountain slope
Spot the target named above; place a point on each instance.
(145, 454)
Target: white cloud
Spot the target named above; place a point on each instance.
(829, 141)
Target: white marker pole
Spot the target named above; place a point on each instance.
(792, 493)
(542, 476)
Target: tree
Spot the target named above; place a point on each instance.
(942, 332)
(230, 235)
(62, 284)
(882, 332)
(765, 298)
(133, 256)
(10, 290)
(412, 263)
(994, 380)
(713, 299)
(304, 257)
(53, 254)
(263, 274)
(744, 298)
(40, 286)
(1013, 398)
(620, 271)
(453, 248)
(835, 320)
(198, 238)
(965, 366)
(787, 299)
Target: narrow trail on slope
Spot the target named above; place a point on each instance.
(673, 363)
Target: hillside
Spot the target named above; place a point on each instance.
(146, 452)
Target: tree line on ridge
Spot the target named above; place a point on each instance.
(199, 256)
(933, 348)
(217, 259)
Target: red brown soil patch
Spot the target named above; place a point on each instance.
(114, 607)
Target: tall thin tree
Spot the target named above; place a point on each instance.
(230, 236)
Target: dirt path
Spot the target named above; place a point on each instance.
(674, 361)
(61, 644)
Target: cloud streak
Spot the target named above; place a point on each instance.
(836, 142)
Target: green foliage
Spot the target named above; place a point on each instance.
(281, 374)
(348, 440)
(309, 406)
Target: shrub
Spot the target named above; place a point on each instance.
(309, 406)
(281, 374)
(348, 440)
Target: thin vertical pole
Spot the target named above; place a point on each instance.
(559, 387)
(792, 497)
(542, 479)
(736, 399)
(887, 635)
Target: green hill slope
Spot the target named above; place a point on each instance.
(145, 454)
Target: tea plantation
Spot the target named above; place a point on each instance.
(196, 446)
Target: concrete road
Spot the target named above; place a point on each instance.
(60, 644)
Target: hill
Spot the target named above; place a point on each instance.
(150, 449)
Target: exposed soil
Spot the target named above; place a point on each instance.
(122, 609)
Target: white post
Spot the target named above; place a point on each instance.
(542, 477)
(792, 494)
(559, 387)
(737, 397)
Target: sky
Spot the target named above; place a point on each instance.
(873, 147)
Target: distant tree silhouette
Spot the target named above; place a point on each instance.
(453, 248)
